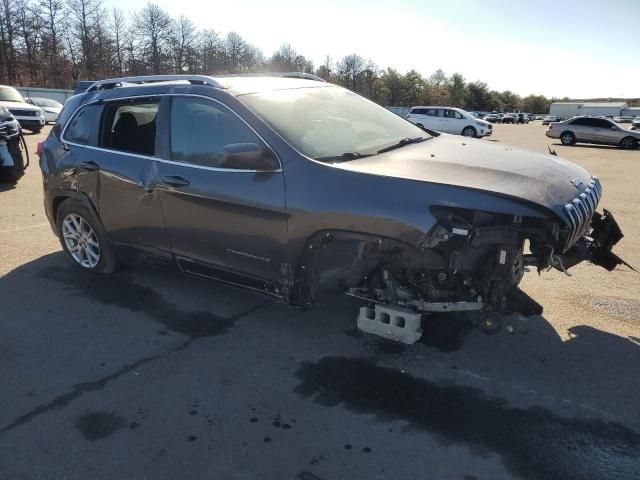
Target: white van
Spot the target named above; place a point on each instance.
(450, 120)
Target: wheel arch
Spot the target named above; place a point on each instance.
(311, 260)
(62, 195)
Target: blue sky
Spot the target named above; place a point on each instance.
(556, 48)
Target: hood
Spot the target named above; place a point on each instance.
(545, 180)
(19, 105)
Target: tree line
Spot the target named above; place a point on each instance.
(53, 43)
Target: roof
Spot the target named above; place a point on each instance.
(241, 85)
(594, 104)
(605, 104)
(238, 84)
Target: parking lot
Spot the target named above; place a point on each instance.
(149, 373)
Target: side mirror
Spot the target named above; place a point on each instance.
(249, 156)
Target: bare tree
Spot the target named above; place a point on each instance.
(7, 40)
(154, 29)
(118, 30)
(211, 53)
(349, 70)
(183, 45)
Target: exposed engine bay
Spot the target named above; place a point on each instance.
(469, 261)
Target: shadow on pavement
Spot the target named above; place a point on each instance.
(593, 374)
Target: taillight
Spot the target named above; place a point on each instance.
(39, 149)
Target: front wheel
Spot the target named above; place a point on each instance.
(568, 138)
(469, 132)
(83, 238)
(629, 142)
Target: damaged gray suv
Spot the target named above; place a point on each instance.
(289, 185)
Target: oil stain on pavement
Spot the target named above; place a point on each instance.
(120, 291)
(533, 443)
(99, 425)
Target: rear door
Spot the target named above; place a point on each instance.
(222, 222)
(114, 166)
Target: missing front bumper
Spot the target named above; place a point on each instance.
(597, 244)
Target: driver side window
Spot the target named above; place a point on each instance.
(201, 129)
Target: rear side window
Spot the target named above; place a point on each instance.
(130, 127)
(83, 125)
(434, 112)
(452, 114)
(200, 131)
(580, 122)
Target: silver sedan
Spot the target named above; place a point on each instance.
(593, 130)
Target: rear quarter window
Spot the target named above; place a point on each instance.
(83, 125)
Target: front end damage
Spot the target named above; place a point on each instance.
(470, 260)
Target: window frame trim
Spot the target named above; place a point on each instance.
(164, 160)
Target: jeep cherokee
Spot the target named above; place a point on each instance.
(292, 185)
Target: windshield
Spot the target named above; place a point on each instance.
(46, 102)
(331, 122)
(8, 94)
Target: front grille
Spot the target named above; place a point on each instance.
(23, 113)
(580, 210)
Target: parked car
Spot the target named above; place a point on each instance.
(539, 117)
(523, 118)
(623, 119)
(450, 120)
(635, 125)
(493, 118)
(510, 118)
(13, 159)
(29, 116)
(291, 186)
(593, 130)
(550, 118)
(50, 108)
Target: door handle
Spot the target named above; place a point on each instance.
(89, 165)
(175, 181)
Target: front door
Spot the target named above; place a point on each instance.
(223, 222)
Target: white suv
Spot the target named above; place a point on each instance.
(450, 120)
(29, 116)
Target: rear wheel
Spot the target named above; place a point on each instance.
(568, 138)
(469, 132)
(83, 238)
(35, 131)
(629, 142)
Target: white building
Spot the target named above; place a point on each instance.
(571, 109)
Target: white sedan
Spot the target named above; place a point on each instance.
(51, 108)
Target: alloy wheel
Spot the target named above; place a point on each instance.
(81, 241)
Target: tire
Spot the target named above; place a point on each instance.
(35, 131)
(469, 132)
(629, 142)
(567, 138)
(83, 238)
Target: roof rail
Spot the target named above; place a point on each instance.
(306, 76)
(130, 81)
